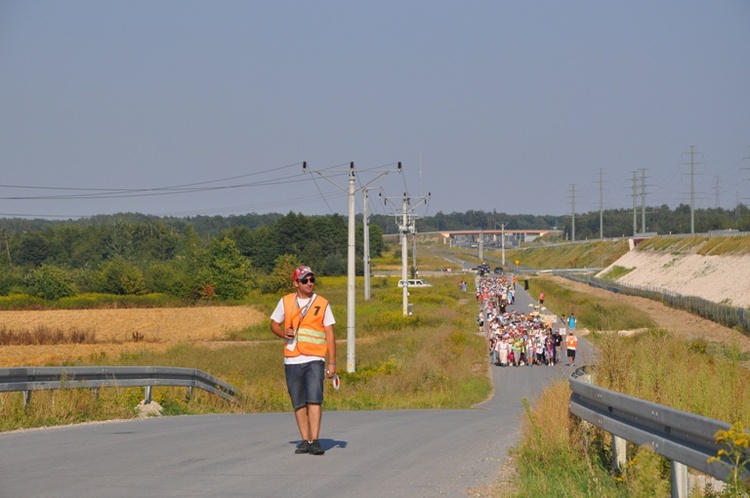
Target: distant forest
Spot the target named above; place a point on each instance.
(617, 222)
(228, 256)
(199, 258)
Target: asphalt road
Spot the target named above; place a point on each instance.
(407, 453)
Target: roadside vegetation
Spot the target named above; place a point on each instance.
(616, 272)
(397, 367)
(713, 246)
(135, 258)
(396, 364)
(593, 254)
(559, 456)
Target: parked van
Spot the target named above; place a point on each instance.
(414, 283)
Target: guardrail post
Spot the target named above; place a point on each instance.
(147, 398)
(619, 454)
(189, 394)
(679, 480)
(26, 398)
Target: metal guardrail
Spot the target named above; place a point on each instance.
(28, 379)
(685, 438)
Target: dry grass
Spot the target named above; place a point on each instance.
(114, 329)
(593, 254)
(714, 246)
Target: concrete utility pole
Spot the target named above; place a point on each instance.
(404, 229)
(406, 225)
(502, 242)
(351, 276)
(366, 240)
(481, 245)
(414, 267)
(351, 260)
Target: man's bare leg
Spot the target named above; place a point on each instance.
(308, 421)
(314, 414)
(303, 423)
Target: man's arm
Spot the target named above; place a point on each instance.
(331, 343)
(277, 328)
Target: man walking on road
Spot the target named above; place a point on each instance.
(571, 321)
(305, 321)
(572, 344)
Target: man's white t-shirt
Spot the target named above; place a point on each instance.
(278, 317)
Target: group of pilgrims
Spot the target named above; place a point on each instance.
(515, 338)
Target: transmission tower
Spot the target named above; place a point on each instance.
(643, 200)
(692, 193)
(573, 212)
(635, 203)
(601, 203)
(717, 191)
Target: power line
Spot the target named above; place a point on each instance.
(108, 193)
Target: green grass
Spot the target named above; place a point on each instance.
(557, 456)
(594, 254)
(595, 314)
(616, 272)
(396, 363)
(92, 301)
(658, 367)
(600, 254)
(705, 246)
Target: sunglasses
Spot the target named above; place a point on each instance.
(307, 279)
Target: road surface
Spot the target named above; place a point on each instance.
(407, 453)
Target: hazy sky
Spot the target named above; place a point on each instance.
(199, 108)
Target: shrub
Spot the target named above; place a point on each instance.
(50, 282)
(167, 277)
(280, 279)
(119, 276)
(20, 301)
(229, 272)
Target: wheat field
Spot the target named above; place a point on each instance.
(118, 331)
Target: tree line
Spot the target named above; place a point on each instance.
(227, 256)
(137, 254)
(616, 222)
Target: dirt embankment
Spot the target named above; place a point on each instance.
(720, 279)
(115, 331)
(681, 323)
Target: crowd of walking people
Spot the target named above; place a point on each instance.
(516, 338)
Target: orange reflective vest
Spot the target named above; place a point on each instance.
(572, 341)
(308, 323)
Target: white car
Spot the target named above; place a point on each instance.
(413, 282)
